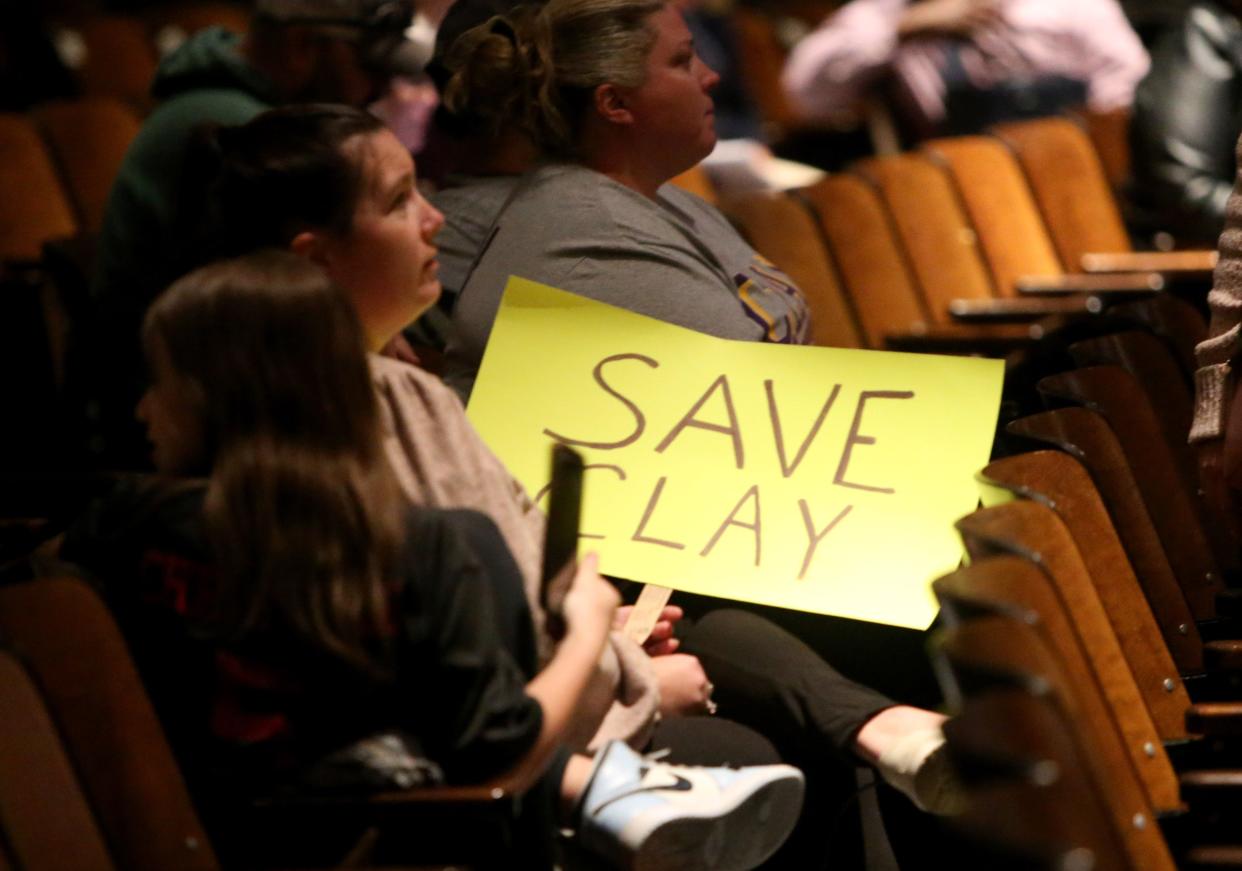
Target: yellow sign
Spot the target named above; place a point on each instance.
(820, 479)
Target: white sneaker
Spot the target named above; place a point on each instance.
(646, 815)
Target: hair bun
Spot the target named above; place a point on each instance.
(497, 69)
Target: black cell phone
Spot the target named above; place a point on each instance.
(560, 546)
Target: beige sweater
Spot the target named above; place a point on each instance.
(1224, 341)
(440, 460)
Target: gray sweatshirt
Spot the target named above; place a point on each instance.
(674, 258)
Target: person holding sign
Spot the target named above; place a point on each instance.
(294, 607)
(614, 95)
(332, 184)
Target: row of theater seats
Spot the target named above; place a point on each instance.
(1092, 649)
(904, 251)
(57, 163)
(113, 55)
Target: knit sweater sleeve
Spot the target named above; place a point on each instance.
(1215, 354)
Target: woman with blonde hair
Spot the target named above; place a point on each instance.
(612, 98)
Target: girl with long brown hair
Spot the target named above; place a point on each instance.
(292, 604)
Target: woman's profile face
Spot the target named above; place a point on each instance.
(386, 263)
(173, 427)
(673, 108)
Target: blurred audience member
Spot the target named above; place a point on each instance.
(1187, 117)
(956, 66)
(342, 51)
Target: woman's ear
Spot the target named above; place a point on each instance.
(612, 104)
(310, 245)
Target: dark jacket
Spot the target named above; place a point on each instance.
(1187, 117)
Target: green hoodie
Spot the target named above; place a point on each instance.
(205, 81)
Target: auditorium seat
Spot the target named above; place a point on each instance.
(1003, 213)
(33, 206)
(87, 139)
(942, 246)
(1065, 786)
(1110, 134)
(1078, 206)
(1059, 480)
(94, 694)
(46, 823)
(1177, 513)
(877, 275)
(110, 56)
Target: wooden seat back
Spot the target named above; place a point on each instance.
(1060, 481)
(93, 691)
(1086, 436)
(873, 267)
(119, 58)
(1175, 513)
(87, 139)
(1022, 666)
(1172, 319)
(45, 821)
(1010, 729)
(1154, 365)
(1034, 532)
(1070, 187)
(933, 229)
(1001, 208)
(1038, 809)
(1110, 134)
(33, 206)
(783, 231)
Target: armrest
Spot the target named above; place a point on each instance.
(1218, 856)
(951, 338)
(1019, 308)
(1111, 283)
(1215, 719)
(1213, 788)
(1221, 656)
(1184, 263)
(511, 784)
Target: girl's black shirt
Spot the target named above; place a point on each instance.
(245, 717)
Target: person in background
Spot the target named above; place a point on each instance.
(614, 100)
(955, 66)
(1186, 122)
(343, 51)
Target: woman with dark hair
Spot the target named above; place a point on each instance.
(323, 610)
(383, 261)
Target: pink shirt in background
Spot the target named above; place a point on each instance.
(1089, 40)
